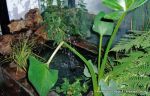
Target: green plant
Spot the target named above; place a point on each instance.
(105, 28)
(121, 7)
(132, 69)
(41, 76)
(134, 39)
(63, 22)
(21, 51)
(74, 89)
(132, 73)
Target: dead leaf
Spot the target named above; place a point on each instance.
(17, 25)
(40, 32)
(41, 35)
(33, 18)
(5, 44)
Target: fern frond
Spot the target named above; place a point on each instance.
(138, 84)
(142, 69)
(132, 72)
(140, 39)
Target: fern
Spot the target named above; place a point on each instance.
(132, 70)
(132, 73)
(134, 39)
(140, 39)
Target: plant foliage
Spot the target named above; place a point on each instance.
(109, 90)
(42, 78)
(102, 28)
(74, 89)
(132, 70)
(62, 22)
(139, 39)
(21, 51)
(121, 6)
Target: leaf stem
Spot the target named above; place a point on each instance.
(99, 55)
(93, 75)
(100, 50)
(54, 53)
(109, 45)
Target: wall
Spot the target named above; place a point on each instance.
(18, 8)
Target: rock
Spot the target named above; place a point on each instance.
(90, 93)
(12, 65)
(53, 93)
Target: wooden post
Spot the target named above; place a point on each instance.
(4, 17)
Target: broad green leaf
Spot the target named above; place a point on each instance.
(113, 4)
(114, 15)
(109, 90)
(86, 71)
(98, 17)
(41, 77)
(102, 27)
(136, 4)
(123, 5)
(128, 3)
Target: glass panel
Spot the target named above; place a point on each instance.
(18, 8)
(94, 6)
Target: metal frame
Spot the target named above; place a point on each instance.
(4, 17)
